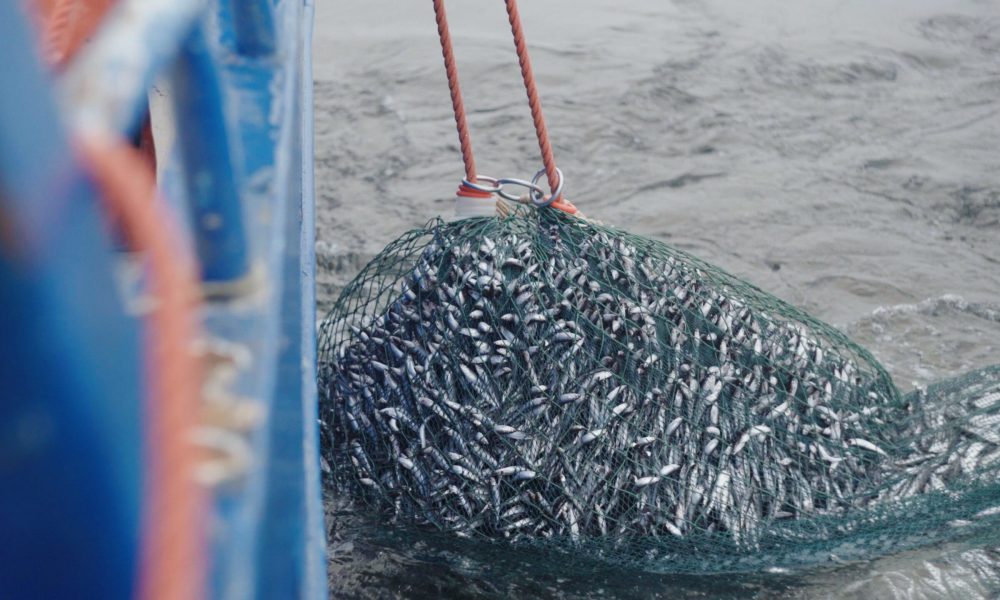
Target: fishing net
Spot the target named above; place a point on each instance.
(545, 380)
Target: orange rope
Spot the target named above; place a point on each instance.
(66, 25)
(542, 132)
(57, 35)
(465, 141)
(172, 555)
(451, 70)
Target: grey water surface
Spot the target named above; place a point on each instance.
(841, 154)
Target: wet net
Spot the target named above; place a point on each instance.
(541, 379)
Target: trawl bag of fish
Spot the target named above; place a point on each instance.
(541, 379)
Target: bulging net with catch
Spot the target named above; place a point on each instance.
(542, 379)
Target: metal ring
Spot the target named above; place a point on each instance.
(532, 188)
(494, 189)
(541, 200)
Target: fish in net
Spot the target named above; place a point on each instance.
(541, 379)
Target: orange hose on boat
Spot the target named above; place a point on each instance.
(172, 554)
(67, 25)
(172, 559)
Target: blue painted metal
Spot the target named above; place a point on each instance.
(314, 576)
(270, 533)
(293, 500)
(69, 382)
(212, 186)
(69, 498)
(253, 26)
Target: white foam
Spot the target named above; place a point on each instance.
(932, 306)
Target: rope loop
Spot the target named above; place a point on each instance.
(540, 200)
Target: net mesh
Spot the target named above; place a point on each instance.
(545, 380)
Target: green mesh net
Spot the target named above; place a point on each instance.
(540, 379)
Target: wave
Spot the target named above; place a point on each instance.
(989, 311)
